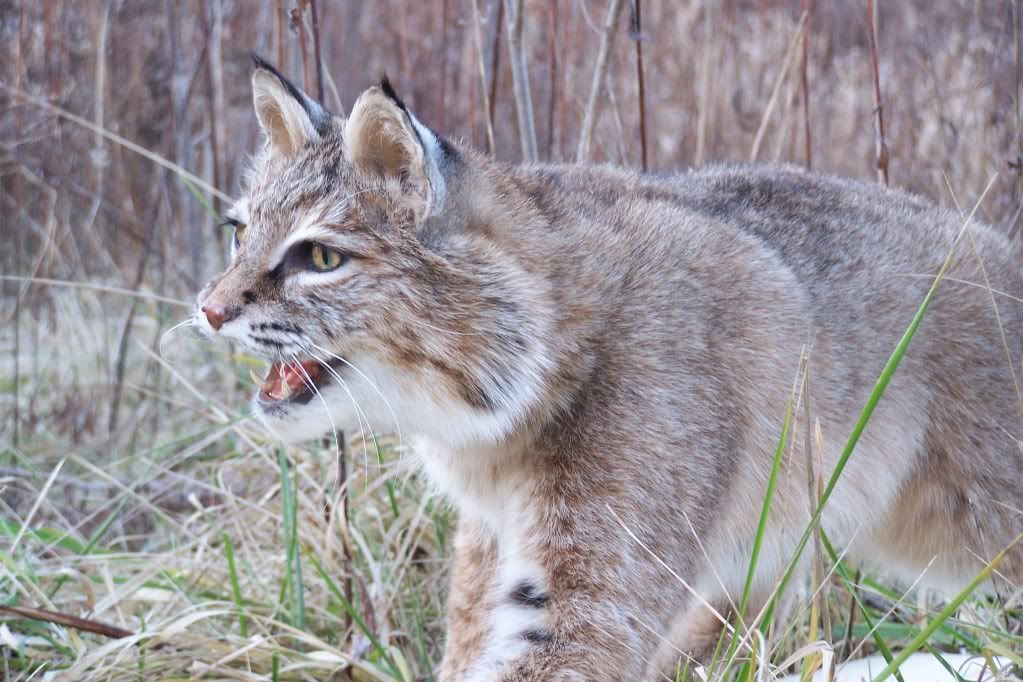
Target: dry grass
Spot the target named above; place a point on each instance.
(129, 471)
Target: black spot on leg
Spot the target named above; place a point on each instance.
(537, 636)
(528, 594)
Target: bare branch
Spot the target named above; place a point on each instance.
(316, 51)
(790, 54)
(495, 59)
(552, 75)
(882, 144)
(298, 24)
(84, 624)
(614, 11)
(805, 85)
(279, 33)
(637, 35)
(487, 111)
(520, 81)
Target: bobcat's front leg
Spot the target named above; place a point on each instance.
(469, 601)
(533, 605)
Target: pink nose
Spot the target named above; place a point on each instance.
(217, 315)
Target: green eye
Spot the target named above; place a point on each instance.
(324, 258)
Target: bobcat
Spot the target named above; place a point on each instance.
(594, 366)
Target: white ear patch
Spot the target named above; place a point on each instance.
(432, 156)
(385, 139)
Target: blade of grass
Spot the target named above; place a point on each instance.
(356, 617)
(847, 583)
(944, 664)
(236, 592)
(195, 192)
(388, 484)
(758, 539)
(293, 567)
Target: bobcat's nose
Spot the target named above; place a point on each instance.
(217, 315)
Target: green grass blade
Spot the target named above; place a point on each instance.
(356, 617)
(293, 566)
(953, 673)
(840, 568)
(758, 540)
(236, 591)
(197, 193)
(388, 484)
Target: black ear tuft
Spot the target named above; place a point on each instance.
(317, 113)
(288, 85)
(385, 85)
(261, 63)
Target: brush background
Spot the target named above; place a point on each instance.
(158, 462)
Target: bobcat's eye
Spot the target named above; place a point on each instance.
(325, 259)
(239, 235)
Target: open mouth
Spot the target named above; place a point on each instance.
(291, 382)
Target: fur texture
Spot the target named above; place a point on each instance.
(594, 364)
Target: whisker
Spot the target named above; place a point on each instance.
(358, 410)
(372, 384)
(308, 381)
(184, 323)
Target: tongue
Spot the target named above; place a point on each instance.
(288, 378)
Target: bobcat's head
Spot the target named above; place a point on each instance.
(369, 269)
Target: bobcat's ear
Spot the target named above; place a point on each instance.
(290, 119)
(383, 138)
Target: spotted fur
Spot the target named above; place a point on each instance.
(593, 365)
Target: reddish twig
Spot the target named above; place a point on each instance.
(16, 351)
(298, 24)
(1017, 163)
(442, 91)
(215, 94)
(882, 145)
(84, 624)
(50, 48)
(279, 34)
(552, 76)
(316, 50)
(495, 60)
(805, 84)
(637, 34)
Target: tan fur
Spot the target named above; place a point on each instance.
(593, 365)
